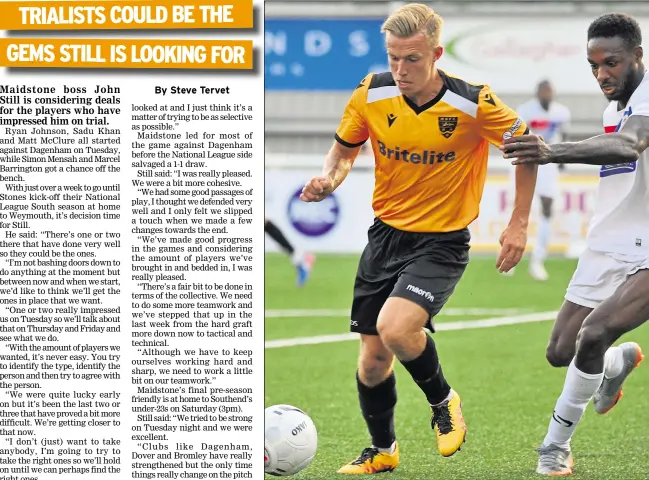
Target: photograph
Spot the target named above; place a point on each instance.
(457, 239)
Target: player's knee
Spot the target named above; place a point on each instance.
(559, 354)
(398, 321)
(593, 340)
(374, 363)
(374, 369)
(395, 333)
(388, 330)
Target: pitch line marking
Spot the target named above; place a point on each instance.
(448, 312)
(441, 327)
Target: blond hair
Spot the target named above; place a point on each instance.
(414, 18)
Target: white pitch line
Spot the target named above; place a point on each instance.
(440, 327)
(448, 312)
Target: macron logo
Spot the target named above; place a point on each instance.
(427, 295)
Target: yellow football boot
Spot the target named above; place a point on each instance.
(449, 425)
(372, 461)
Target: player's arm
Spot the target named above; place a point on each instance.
(610, 148)
(497, 121)
(525, 178)
(338, 163)
(624, 146)
(351, 134)
(525, 184)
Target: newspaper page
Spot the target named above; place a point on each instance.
(131, 252)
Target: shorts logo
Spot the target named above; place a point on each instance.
(427, 295)
(447, 125)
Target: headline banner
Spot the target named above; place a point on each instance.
(119, 53)
(103, 15)
(510, 54)
(122, 53)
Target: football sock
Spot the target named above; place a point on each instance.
(275, 233)
(427, 374)
(389, 450)
(578, 390)
(542, 239)
(447, 399)
(297, 257)
(377, 406)
(613, 362)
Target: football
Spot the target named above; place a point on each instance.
(290, 442)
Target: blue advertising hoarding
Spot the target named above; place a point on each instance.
(321, 54)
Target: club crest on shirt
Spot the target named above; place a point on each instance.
(447, 125)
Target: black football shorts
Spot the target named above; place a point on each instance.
(422, 267)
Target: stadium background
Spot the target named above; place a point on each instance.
(315, 54)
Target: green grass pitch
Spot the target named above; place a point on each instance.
(507, 387)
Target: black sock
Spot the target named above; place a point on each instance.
(377, 406)
(271, 229)
(427, 373)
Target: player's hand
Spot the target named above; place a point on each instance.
(316, 190)
(527, 149)
(512, 241)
